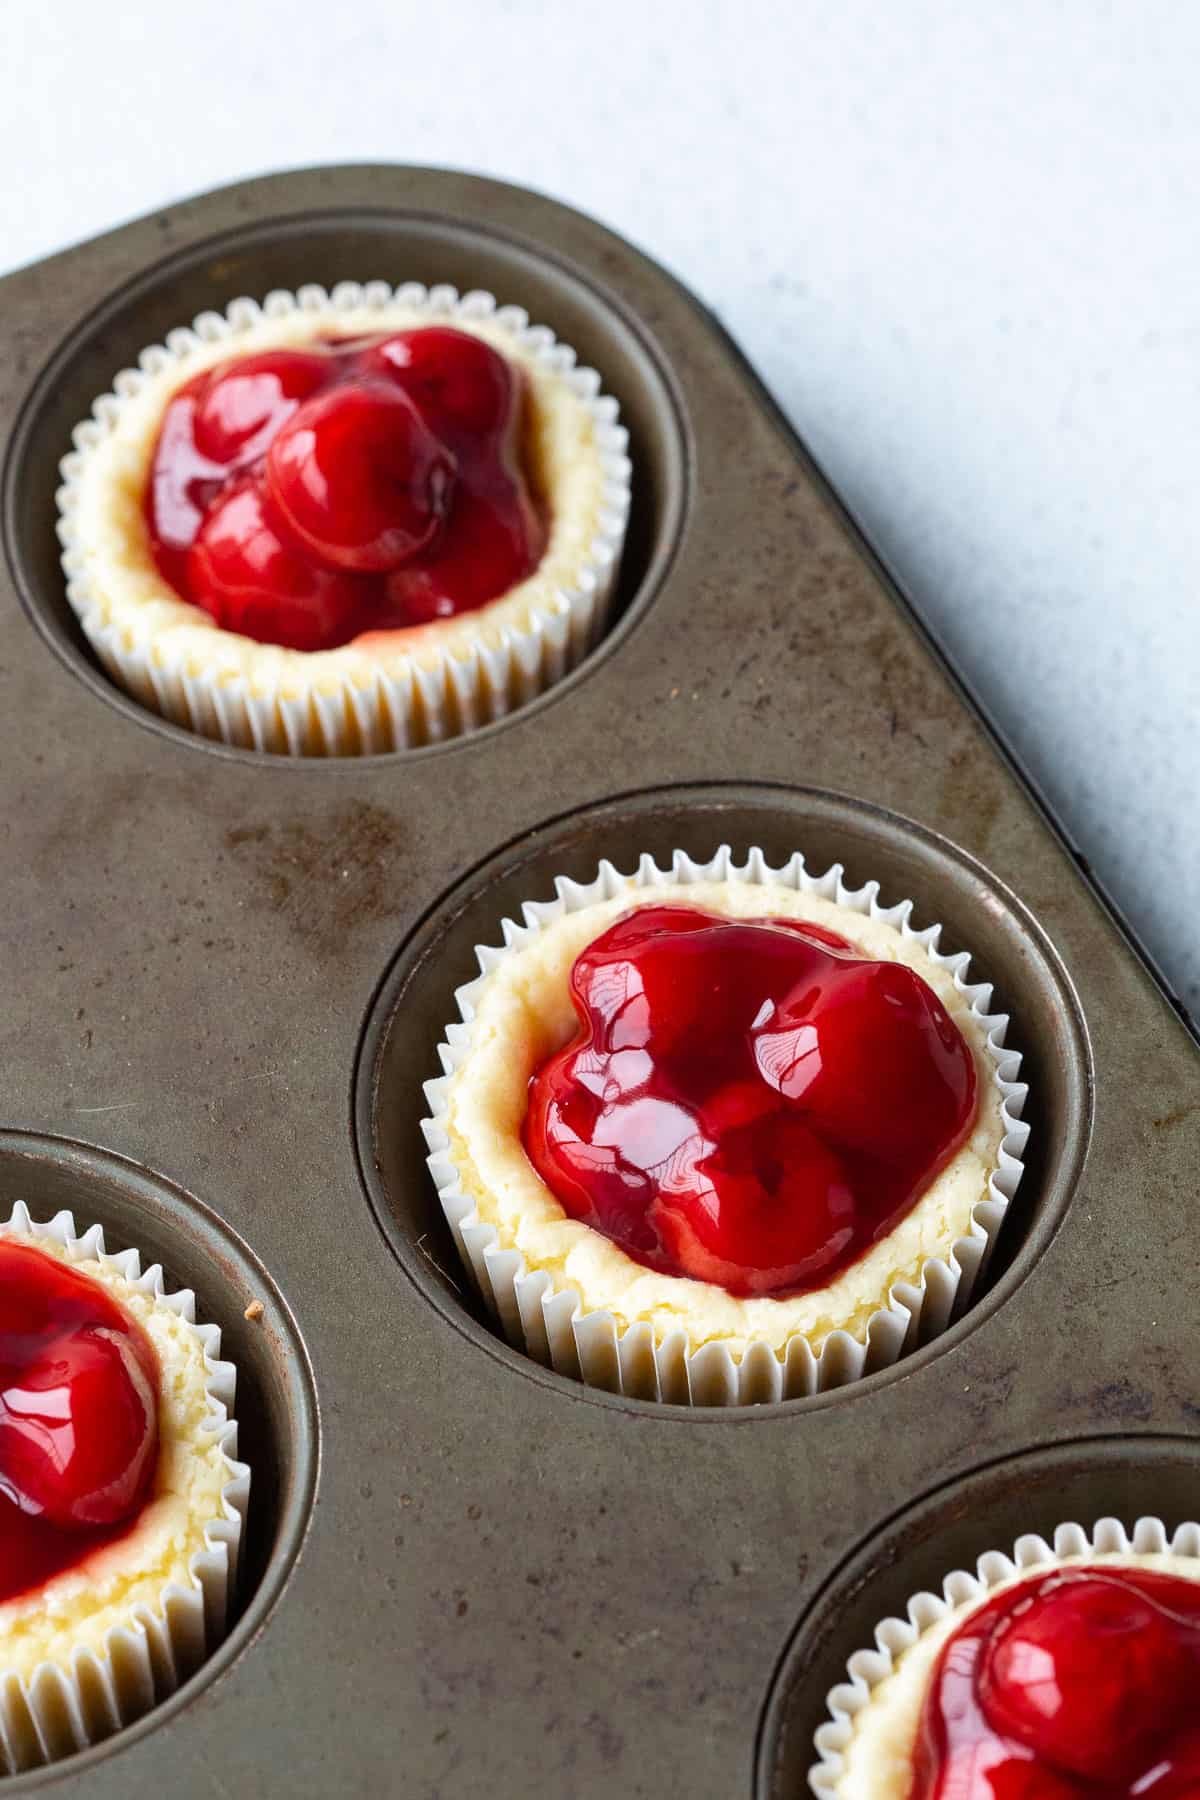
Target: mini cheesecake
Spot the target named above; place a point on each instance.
(1076, 1678)
(731, 1108)
(115, 1475)
(380, 517)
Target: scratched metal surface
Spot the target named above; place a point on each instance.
(222, 976)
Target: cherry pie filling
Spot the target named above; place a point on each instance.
(751, 1103)
(1083, 1684)
(308, 497)
(78, 1418)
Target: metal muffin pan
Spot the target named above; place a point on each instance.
(222, 976)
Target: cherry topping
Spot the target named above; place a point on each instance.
(242, 405)
(246, 573)
(461, 384)
(721, 1113)
(359, 477)
(311, 497)
(495, 544)
(78, 1417)
(1077, 1683)
(860, 1032)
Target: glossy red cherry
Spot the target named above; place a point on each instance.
(183, 485)
(1175, 1776)
(359, 477)
(666, 1124)
(869, 1055)
(493, 547)
(78, 1416)
(1087, 1673)
(245, 573)
(75, 1430)
(456, 379)
(1074, 1684)
(766, 1208)
(241, 406)
(988, 1773)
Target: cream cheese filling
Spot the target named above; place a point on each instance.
(78, 1608)
(524, 1014)
(877, 1761)
(113, 545)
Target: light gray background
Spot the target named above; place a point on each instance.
(961, 242)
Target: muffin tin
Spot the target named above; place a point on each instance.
(224, 975)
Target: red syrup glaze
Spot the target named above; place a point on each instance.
(310, 497)
(78, 1418)
(750, 1103)
(1078, 1685)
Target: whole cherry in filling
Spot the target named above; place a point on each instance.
(309, 497)
(748, 1102)
(1082, 1682)
(78, 1417)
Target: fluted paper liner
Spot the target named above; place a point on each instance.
(549, 1321)
(1031, 1554)
(424, 693)
(64, 1707)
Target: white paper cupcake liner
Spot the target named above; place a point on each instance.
(64, 1707)
(893, 1636)
(417, 699)
(549, 1322)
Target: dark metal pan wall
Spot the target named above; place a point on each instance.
(222, 976)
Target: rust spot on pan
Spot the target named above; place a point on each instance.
(324, 877)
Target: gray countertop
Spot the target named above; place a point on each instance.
(958, 242)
